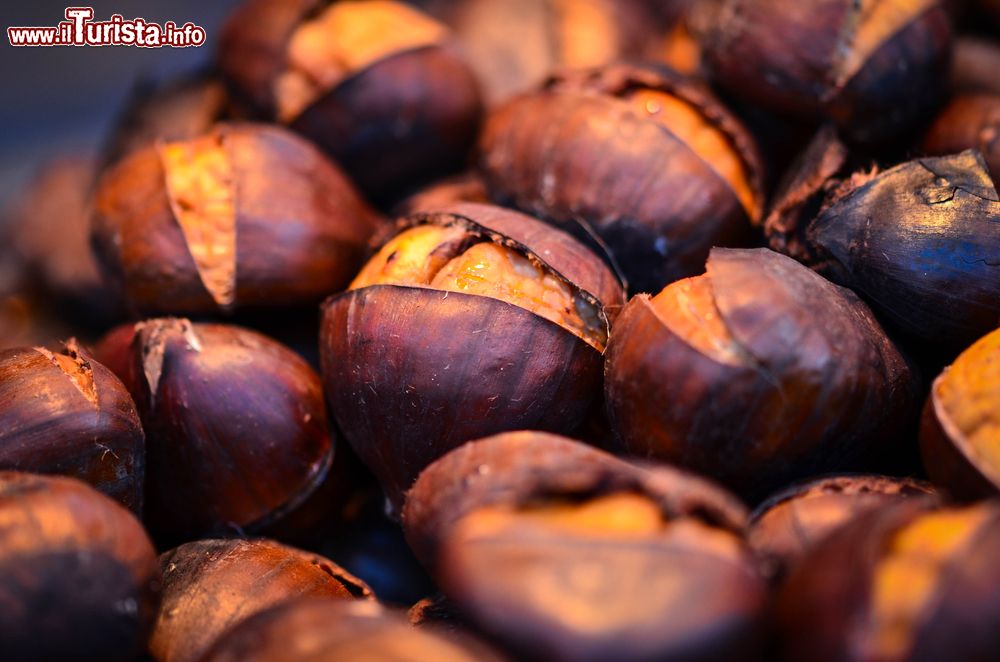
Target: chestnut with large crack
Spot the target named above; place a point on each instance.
(471, 321)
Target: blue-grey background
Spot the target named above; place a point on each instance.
(63, 99)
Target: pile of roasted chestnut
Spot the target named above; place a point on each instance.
(585, 329)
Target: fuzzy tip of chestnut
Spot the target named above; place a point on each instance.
(645, 158)
(79, 573)
(65, 413)
(244, 216)
(471, 320)
(211, 585)
(755, 373)
(559, 548)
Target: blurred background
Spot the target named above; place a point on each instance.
(64, 99)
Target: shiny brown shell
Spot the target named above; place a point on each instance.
(79, 574)
(64, 413)
(210, 586)
(575, 153)
(817, 386)
(295, 229)
(412, 372)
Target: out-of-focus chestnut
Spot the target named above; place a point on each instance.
(176, 110)
(920, 241)
(236, 427)
(789, 524)
(970, 121)
(648, 159)
(876, 67)
(975, 65)
(78, 574)
(472, 320)
(64, 413)
(467, 187)
(329, 631)
(902, 583)
(512, 45)
(569, 553)
(960, 432)
(210, 586)
(375, 83)
(245, 216)
(755, 373)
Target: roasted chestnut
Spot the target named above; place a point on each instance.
(876, 67)
(648, 159)
(789, 524)
(472, 320)
(960, 432)
(898, 583)
(209, 586)
(927, 266)
(467, 187)
(970, 121)
(236, 427)
(512, 45)
(375, 83)
(330, 631)
(244, 216)
(78, 575)
(565, 552)
(755, 373)
(64, 413)
(975, 65)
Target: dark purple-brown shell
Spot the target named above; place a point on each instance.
(816, 385)
(576, 151)
(412, 372)
(65, 413)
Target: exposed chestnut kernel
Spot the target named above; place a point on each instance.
(791, 523)
(377, 84)
(570, 553)
(650, 160)
(472, 320)
(960, 432)
(875, 67)
(970, 121)
(326, 631)
(929, 263)
(246, 216)
(236, 427)
(210, 586)
(900, 583)
(64, 413)
(77, 571)
(755, 373)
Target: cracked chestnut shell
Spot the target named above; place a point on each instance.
(236, 427)
(245, 216)
(209, 586)
(755, 373)
(472, 320)
(78, 573)
(919, 241)
(960, 430)
(787, 525)
(903, 583)
(649, 160)
(64, 413)
(875, 67)
(969, 121)
(377, 84)
(325, 631)
(565, 552)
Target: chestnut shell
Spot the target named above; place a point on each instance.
(969, 121)
(412, 372)
(822, 387)
(572, 152)
(65, 413)
(209, 586)
(78, 575)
